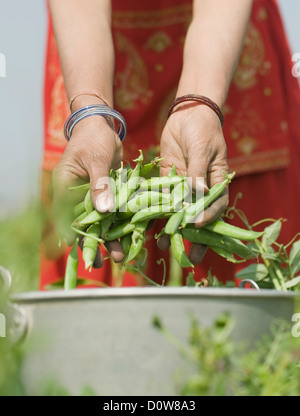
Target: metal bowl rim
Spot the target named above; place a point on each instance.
(155, 292)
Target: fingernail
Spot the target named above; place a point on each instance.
(104, 203)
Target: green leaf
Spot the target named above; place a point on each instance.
(271, 233)
(293, 282)
(295, 257)
(190, 281)
(255, 272)
(271, 254)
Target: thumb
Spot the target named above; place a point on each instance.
(102, 188)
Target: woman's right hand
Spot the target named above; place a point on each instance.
(92, 151)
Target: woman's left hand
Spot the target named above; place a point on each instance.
(193, 140)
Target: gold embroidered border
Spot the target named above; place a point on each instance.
(151, 19)
(242, 165)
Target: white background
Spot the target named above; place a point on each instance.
(22, 41)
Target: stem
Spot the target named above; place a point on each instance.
(275, 278)
(292, 240)
(146, 277)
(279, 275)
(165, 270)
(262, 221)
(291, 275)
(87, 235)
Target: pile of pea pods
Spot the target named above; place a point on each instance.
(141, 198)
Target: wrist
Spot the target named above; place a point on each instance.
(189, 101)
(80, 101)
(91, 124)
(199, 88)
(101, 111)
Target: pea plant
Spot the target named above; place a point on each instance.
(215, 365)
(277, 265)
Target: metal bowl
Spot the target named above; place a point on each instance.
(105, 338)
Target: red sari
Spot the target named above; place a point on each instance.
(261, 120)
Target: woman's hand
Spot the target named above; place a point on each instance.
(193, 140)
(92, 151)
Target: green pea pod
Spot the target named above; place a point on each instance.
(160, 234)
(71, 268)
(192, 212)
(137, 240)
(92, 217)
(79, 209)
(178, 196)
(181, 194)
(128, 168)
(106, 223)
(90, 245)
(173, 171)
(179, 251)
(112, 174)
(209, 238)
(223, 228)
(146, 169)
(226, 254)
(126, 243)
(174, 222)
(119, 231)
(152, 213)
(142, 200)
(160, 182)
(88, 204)
(80, 218)
(131, 186)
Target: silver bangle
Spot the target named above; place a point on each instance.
(94, 110)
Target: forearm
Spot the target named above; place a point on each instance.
(83, 35)
(212, 47)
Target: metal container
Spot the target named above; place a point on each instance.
(105, 338)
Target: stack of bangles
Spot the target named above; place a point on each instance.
(106, 111)
(94, 110)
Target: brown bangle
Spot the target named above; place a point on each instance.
(200, 99)
(93, 94)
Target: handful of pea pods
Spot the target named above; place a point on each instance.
(141, 198)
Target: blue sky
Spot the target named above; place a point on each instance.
(22, 41)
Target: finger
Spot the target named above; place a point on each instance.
(214, 210)
(115, 250)
(171, 153)
(101, 185)
(98, 262)
(163, 242)
(197, 168)
(197, 253)
(102, 191)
